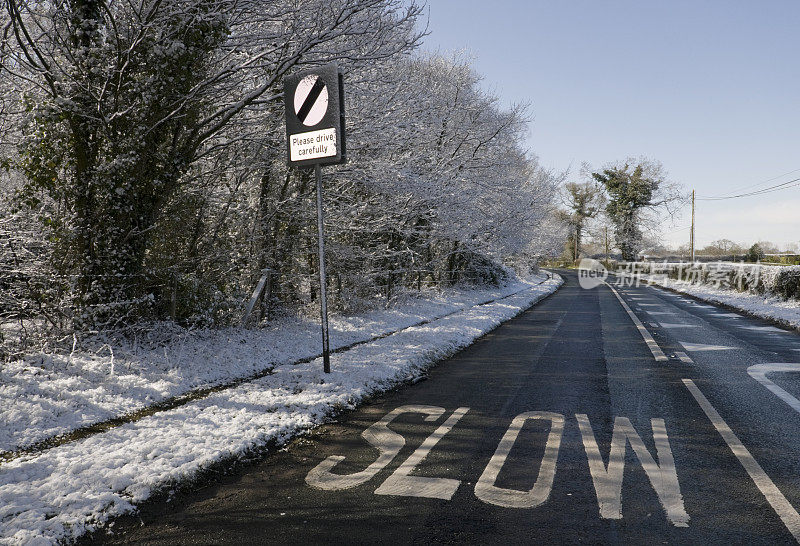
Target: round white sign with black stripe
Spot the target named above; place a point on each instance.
(311, 100)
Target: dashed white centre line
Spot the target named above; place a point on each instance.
(684, 357)
(779, 503)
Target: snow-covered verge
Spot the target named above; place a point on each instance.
(46, 395)
(781, 281)
(786, 312)
(65, 491)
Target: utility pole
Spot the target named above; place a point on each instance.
(575, 246)
(606, 230)
(691, 236)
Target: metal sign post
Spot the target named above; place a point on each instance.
(314, 101)
(323, 284)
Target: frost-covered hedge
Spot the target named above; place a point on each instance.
(768, 280)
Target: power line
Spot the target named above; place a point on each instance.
(676, 230)
(748, 186)
(777, 187)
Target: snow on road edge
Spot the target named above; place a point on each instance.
(71, 489)
(771, 307)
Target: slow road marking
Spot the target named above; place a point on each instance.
(386, 441)
(488, 492)
(404, 484)
(606, 478)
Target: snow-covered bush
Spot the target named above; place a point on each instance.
(787, 282)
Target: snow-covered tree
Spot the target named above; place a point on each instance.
(124, 98)
(146, 144)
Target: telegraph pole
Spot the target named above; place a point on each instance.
(575, 246)
(606, 230)
(691, 235)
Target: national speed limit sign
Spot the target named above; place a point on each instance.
(315, 117)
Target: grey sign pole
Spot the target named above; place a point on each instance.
(323, 286)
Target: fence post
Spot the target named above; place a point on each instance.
(266, 272)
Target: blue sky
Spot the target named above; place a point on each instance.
(709, 88)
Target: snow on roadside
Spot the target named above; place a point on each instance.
(47, 395)
(770, 307)
(71, 489)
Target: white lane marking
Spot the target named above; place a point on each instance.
(662, 312)
(653, 324)
(675, 325)
(658, 354)
(485, 488)
(728, 315)
(759, 373)
(782, 507)
(386, 441)
(764, 329)
(608, 479)
(703, 306)
(684, 357)
(401, 482)
(694, 347)
(652, 304)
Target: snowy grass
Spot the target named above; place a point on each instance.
(786, 312)
(47, 395)
(70, 489)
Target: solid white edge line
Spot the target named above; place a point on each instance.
(658, 354)
(779, 503)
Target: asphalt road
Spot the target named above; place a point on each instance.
(560, 426)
